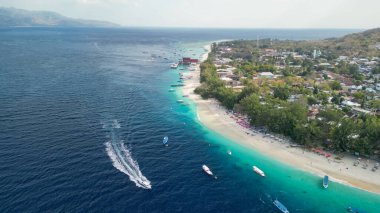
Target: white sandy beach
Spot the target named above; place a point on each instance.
(215, 117)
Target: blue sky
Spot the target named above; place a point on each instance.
(362, 14)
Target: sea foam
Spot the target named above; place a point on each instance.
(122, 160)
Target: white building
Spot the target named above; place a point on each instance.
(378, 87)
(266, 75)
(350, 104)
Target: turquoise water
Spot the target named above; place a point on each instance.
(83, 113)
(298, 190)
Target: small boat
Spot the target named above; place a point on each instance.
(185, 96)
(165, 141)
(174, 66)
(280, 206)
(229, 152)
(177, 85)
(326, 181)
(258, 171)
(207, 170)
(171, 90)
(355, 210)
(180, 101)
(145, 183)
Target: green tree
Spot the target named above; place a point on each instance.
(307, 134)
(331, 115)
(323, 97)
(343, 134)
(226, 96)
(325, 76)
(360, 97)
(337, 99)
(281, 93)
(315, 90)
(249, 89)
(311, 100)
(334, 85)
(374, 104)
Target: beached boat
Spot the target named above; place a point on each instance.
(326, 181)
(207, 170)
(165, 141)
(280, 206)
(258, 171)
(174, 66)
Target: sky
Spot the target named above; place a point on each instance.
(362, 14)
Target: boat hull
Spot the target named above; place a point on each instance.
(280, 206)
(325, 182)
(207, 170)
(258, 171)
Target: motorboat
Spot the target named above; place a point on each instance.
(258, 171)
(280, 206)
(207, 170)
(326, 181)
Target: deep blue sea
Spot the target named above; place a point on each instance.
(83, 113)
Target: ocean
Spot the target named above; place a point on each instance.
(83, 113)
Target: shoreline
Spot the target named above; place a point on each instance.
(215, 117)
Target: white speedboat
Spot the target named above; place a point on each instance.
(207, 170)
(146, 184)
(258, 171)
(229, 152)
(280, 206)
(325, 181)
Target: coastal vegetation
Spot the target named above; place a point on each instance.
(294, 104)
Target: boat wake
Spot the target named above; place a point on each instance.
(116, 124)
(122, 160)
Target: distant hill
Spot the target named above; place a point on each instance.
(363, 44)
(10, 17)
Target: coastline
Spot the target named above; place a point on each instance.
(211, 114)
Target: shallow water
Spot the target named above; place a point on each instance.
(83, 113)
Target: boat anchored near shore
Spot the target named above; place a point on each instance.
(174, 66)
(280, 206)
(326, 181)
(258, 171)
